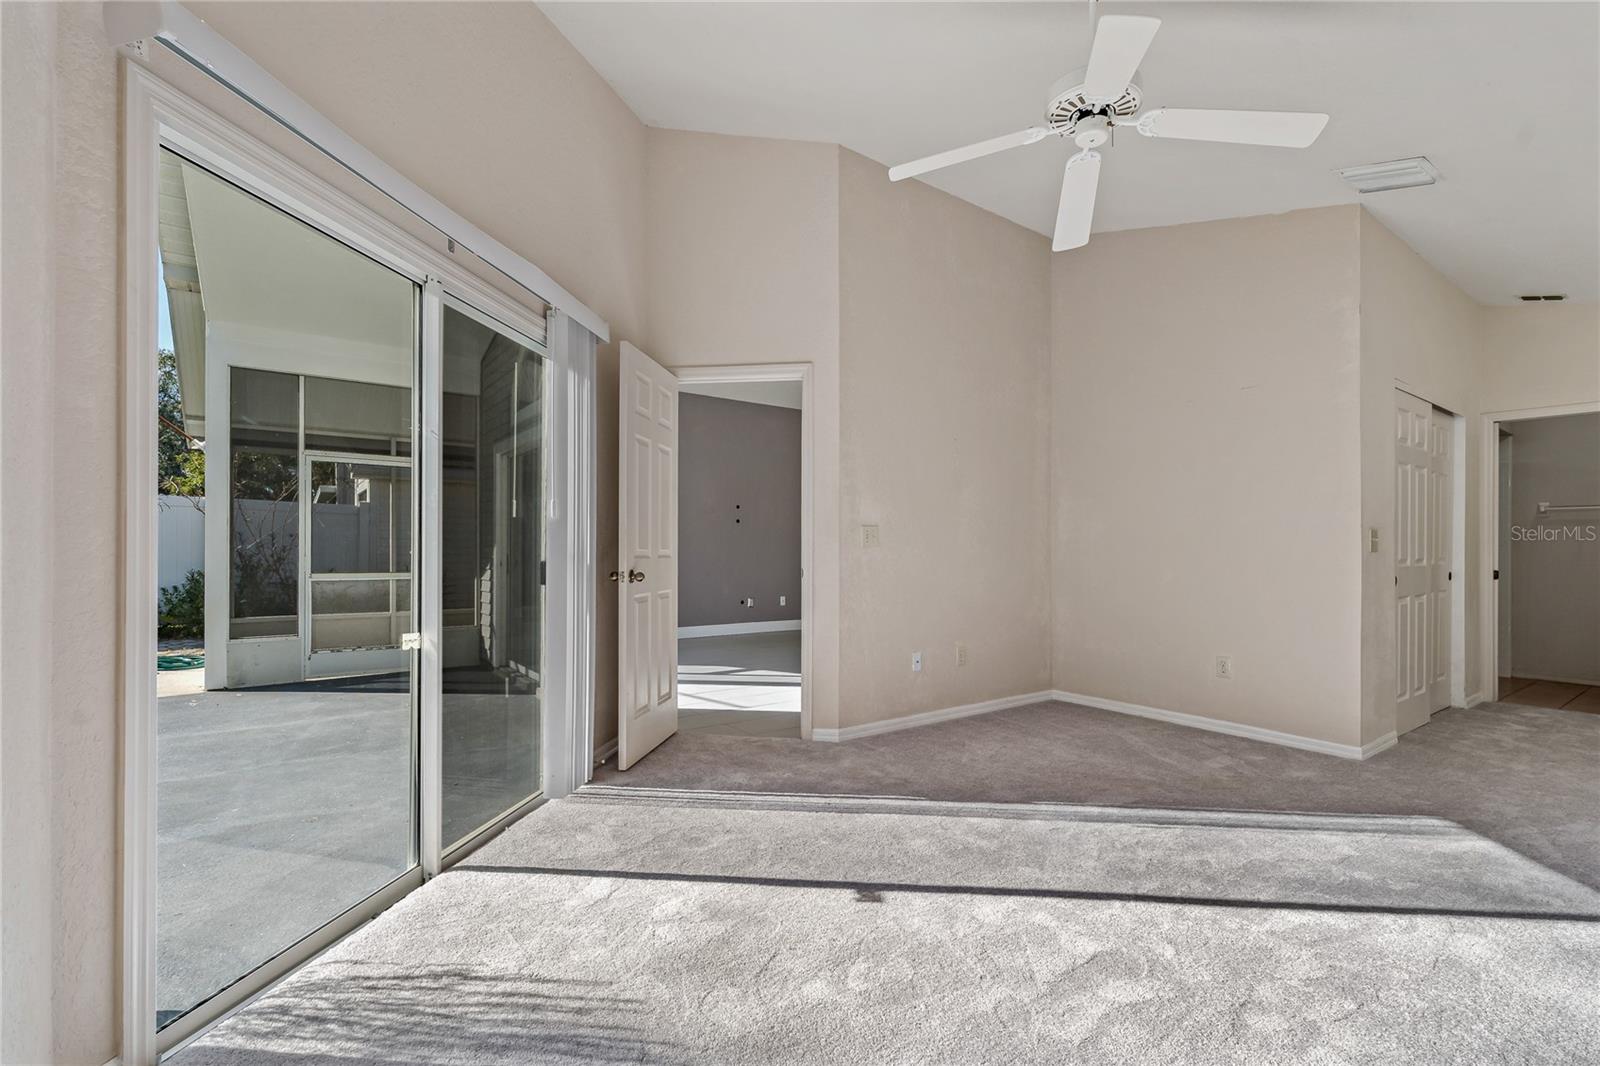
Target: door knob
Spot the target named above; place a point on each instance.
(635, 575)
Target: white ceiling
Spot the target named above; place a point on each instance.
(1504, 98)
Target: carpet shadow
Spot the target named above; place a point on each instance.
(354, 1011)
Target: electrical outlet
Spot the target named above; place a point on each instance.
(1224, 668)
(916, 662)
(869, 536)
(961, 655)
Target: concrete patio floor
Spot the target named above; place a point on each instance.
(279, 808)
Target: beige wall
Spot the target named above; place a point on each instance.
(1419, 333)
(944, 346)
(1539, 355)
(1206, 480)
(742, 253)
(62, 522)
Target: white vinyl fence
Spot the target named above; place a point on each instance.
(180, 539)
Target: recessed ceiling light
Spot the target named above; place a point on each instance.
(1395, 174)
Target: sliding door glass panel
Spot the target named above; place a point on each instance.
(265, 517)
(283, 799)
(360, 516)
(493, 572)
(357, 416)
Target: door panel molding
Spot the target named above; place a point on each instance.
(647, 563)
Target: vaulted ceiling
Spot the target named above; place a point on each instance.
(1504, 98)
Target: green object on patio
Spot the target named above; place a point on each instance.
(180, 662)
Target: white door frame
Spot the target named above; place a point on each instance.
(801, 372)
(362, 659)
(1489, 530)
(155, 116)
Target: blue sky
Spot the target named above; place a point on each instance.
(164, 318)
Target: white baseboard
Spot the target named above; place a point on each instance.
(1218, 725)
(912, 721)
(1557, 680)
(1383, 743)
(1473, 700)
(734, 629)
(1195, 721)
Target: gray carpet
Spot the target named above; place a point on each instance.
(1527, 777)
(691, 911)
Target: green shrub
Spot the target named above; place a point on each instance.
(182, 610)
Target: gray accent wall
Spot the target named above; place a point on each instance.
(738, 511)
(1554, 571)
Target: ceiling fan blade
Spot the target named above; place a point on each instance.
(1076, 211)
(1280, 129)
(971, 151)
(1120, 42)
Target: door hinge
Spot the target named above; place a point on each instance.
(1449, 575)
(1497, 573)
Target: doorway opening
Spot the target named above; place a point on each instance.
(743, 523)
(1547, 571)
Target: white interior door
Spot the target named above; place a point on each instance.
(1440, 508)
(1414, 540)
(647, 563)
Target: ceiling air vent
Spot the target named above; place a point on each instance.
(1395, 174)
(1550, 297)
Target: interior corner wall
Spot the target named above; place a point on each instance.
(742, 255)
(1420, 333)
(944, 354)
(60, 535)
(1206, 470)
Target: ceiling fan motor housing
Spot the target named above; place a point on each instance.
(1069, 107)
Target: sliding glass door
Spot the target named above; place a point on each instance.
(494, 491)
(286, 727)
(300, 708)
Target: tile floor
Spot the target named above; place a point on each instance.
(745, 685)
(1558, 694)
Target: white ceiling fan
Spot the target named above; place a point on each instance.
(1087, 106)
